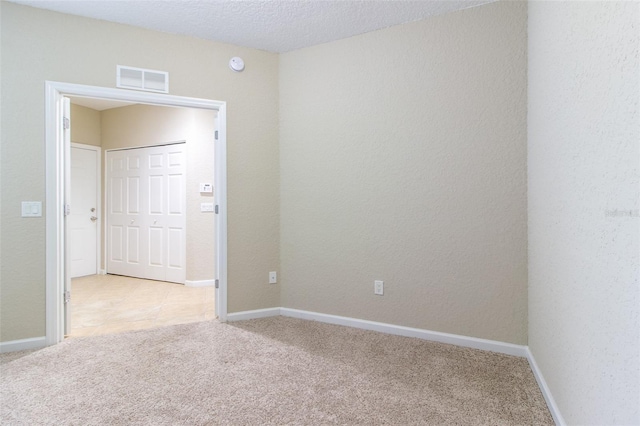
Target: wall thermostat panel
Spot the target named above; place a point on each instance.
(206, 188)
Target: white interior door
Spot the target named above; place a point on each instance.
(146, 217)
(83, 219)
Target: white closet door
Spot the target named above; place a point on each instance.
(146, 213)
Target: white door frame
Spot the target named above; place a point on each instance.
(55, 160)
(98, 151)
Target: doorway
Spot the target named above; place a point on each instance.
(58, 150)
(151, 191)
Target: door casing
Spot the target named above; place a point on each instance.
(57, 162)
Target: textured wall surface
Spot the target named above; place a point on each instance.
(86, 125)
(403, 159)
(39, 45)
(584, 196)
(147, 125)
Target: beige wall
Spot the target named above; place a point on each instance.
(584, 207)
(38, 45)
(86, 125)
(403, 159)
(419, 178)
(146, 125)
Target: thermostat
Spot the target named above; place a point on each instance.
(206, 188)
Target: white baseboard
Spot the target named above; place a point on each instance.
(200, 283)
(435, 336)
(546, 392)
(258, 313)
(102, 272)
(23, 344)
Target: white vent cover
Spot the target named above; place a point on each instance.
(141, 79)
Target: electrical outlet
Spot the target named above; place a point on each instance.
(378, 287)
(273, 277)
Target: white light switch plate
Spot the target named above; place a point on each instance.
(206, 207)
(31, 209)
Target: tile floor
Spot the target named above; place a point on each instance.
(105, 304)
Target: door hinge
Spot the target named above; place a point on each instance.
(66, 123)
(216, 210)
(216, 135)
(217, 283)
(67, 209)
(67, 296)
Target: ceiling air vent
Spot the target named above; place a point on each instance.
(141, 79)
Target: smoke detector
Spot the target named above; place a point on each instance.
(237, 64)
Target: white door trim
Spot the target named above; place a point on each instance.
(98, 151)
(55, 187)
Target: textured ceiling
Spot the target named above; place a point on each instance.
(272, 25)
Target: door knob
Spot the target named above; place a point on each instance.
(93, 218)
(93, 209)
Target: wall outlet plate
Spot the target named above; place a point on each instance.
(378, 287)
(273, 277)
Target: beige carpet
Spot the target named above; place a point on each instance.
(268, 371)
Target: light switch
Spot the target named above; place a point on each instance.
(31, 209)
(206, 207)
